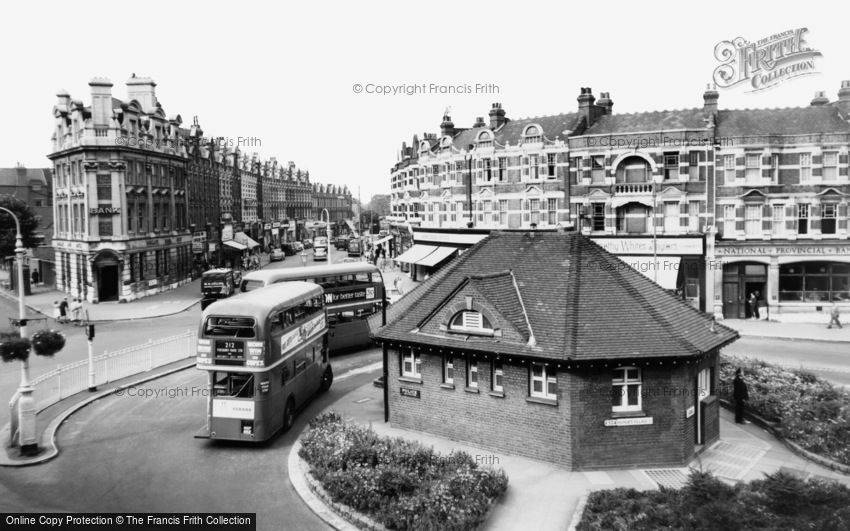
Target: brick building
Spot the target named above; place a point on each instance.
(738, 200)
(522, 345)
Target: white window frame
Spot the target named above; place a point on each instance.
(832, 174)
(774, 169)
(833, 216)
(498, 376)
(503, 212)
(411, 359)
(624, 383)
(693, 216)
(752, 220)
(704, 383)
(552, 211)
(546, 378)
(804, 211)
(729, 221)
(671, 220)
(471, 322)
(472, 374)
(448, 370)
(805, 167)
(728, 168)
(752, 168)
(778, 219)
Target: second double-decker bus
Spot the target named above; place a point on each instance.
(353, 292)
(266, 354)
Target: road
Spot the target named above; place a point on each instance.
(828, 360)
(132, 454)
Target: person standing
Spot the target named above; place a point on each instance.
(753, 302)
(740, 394)
(63, 310)
(35, 277)
(76, 306)
(834, 314)
(56, 314)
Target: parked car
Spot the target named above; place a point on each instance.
(277, 255)
(355, 248)
(288, 249)
(298, 246)
(308, 244)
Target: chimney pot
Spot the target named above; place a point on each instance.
(820, 98)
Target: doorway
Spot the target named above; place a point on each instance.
(107, 283)
(739, 281)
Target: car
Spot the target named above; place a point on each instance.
(308, 244)
(298, 246)
(288, 249)
(341, 243)
(277, 255)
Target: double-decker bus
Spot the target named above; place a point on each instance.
(320, 248)
(353, 292)
(266, 354)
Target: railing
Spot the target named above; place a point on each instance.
(70, 379)
(635, 188)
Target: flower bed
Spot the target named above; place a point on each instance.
(396, 482)
(809, 411)
(780, 501)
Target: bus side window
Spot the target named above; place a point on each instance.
(290, 317)
(284, 373)
(364, 278)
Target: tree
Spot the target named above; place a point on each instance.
(380, 204)
(29, 224)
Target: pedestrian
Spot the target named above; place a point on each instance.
(383, 258)
(753, 301)
(397, 286)
(378, 262)
(740, 394)
(76, 308)
(35, 277)
(56, 313)
(255, 262)
(63, 310)
(833, 316)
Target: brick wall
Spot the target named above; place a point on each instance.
(507, 424)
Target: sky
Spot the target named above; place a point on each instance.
(284, 76)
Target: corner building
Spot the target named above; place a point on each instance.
(520, 346)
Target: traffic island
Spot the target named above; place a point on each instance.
(377, 482)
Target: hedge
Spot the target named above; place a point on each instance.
(809, 411)
(778, 502)
(399, 483)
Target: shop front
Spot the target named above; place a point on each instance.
(788, 281)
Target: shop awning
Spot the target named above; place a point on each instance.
(384, 240)
(440, 254)
(235, 245)
(664, 270)
(245, 240)
(416, 253)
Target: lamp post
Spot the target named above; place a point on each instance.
(468, 157)
(325, 211)
(26, 439)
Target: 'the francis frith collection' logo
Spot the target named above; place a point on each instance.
(764, 63)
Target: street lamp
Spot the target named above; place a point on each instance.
(325, 211)
(26, 407)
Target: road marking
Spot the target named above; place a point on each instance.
(361, 370)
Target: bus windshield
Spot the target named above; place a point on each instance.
(250, 285)
(320, 241)
(230, 327)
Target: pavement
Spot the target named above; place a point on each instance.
(790, 331)
(543, 496)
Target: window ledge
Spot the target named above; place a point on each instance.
(710, 399)
(544, 401)
(409, 379)
(471, 390)
(497, 394)
(627, 414)
(447, 386)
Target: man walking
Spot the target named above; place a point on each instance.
(740, 394)
(754, 305)
(833, 316)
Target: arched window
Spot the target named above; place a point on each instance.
(532, 134)
(470, 321)
(485, 139)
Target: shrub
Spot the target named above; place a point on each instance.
(399, 483)
(811, 412)
(13, 347)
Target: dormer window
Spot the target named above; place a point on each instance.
(445, 142)
(485, 139)
(532, 134)
(470, 322)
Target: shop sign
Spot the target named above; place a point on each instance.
(199, 240)
(690, 412)
(104, 211)
(658, 246)
(276, 225)
(227, 232)
(635, 421)
(412, 393)
(213, 247)
(784, 250)
(267, 226)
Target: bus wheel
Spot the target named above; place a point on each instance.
(327, 379)
(288, 414)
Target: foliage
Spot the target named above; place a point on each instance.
(399, 483)
(47, 342)
(13, 347)
(811, 412)
(777, 502)
(29, 225)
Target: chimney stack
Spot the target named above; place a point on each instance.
(844, 99)
(101, 101)
(605, 102)
(497, 116)
(585, 105)
(142, 89)
(709, 98)
(819, 99)
(63, 99)
(479, 122)
(447, 128)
